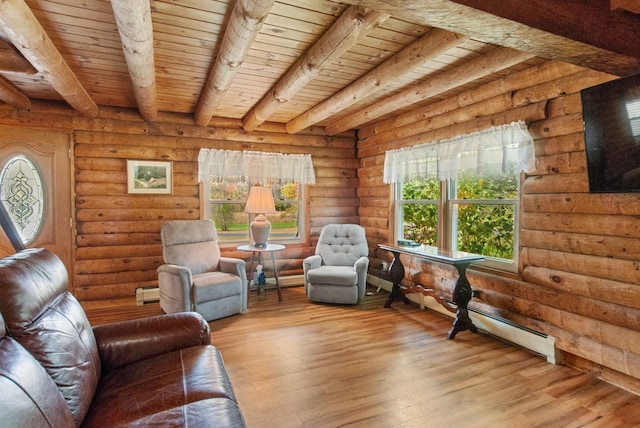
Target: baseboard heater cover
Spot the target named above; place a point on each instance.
(534, 341)
(147, 295)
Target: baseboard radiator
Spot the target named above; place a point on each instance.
(537, 342)
(146, 295)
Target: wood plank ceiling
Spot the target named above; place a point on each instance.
(337, 64)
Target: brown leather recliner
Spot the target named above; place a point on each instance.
(58, 371)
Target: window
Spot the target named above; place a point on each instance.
(226, 208)
(22, 193)
(472, 214)
(417, 210)
(463, 193)
(228, 176)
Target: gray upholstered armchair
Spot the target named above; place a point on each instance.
(337, 272)
(195, 277)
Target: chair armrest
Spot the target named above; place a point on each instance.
(312, 262)
(238, 267)
(361, 267)
(175, 288)
(309, 263)
(126, 342)
(182, 274)
(362, 264)
(233, 266)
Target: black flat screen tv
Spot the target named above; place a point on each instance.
(611, 117)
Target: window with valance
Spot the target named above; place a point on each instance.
(228, 175)
(462, 193)
(491, 151)
(254, 167)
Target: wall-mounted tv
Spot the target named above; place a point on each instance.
(611, 115)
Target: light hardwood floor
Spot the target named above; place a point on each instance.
(298, 364)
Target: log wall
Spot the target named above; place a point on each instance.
(117, 235)
(579, 273)
(578, 278)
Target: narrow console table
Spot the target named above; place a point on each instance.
(461, 290)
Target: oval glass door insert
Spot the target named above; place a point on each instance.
(22, 194)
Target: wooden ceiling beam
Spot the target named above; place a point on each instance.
(245, 22)
(355, 23)
(12, 96)
(429, 46)
(574, 32)
(136, 32)
(494, 61)
(12, 61)
(27, 35)
(579, 21)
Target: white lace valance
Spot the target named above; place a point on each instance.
(491, 151)
(254, 167)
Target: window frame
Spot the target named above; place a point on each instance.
(303, 215)
(445, 219)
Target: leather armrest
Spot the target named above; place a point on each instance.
(126, 342)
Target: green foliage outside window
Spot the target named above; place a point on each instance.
(227, 210)
(421, 220)
(288, 211)
(496, 187)
(487, 229)
(484, 225)
(224, 215)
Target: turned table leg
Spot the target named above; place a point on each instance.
(462, 294)
(396, 273)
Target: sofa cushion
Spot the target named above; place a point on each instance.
(167, 384)
(50, 323)
(211, 413)
(28, 396)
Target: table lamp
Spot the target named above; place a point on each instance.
(260, 202)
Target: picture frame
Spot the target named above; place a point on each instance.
(155, 177)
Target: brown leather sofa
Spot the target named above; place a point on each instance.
(58, 371)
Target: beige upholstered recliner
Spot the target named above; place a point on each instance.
(195, 277)
(337, 272)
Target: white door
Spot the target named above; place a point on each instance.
(35, 189)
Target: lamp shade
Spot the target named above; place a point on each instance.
(260, 202)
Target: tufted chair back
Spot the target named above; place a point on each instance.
(342, 244)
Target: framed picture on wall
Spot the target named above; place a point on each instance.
(149, 176)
